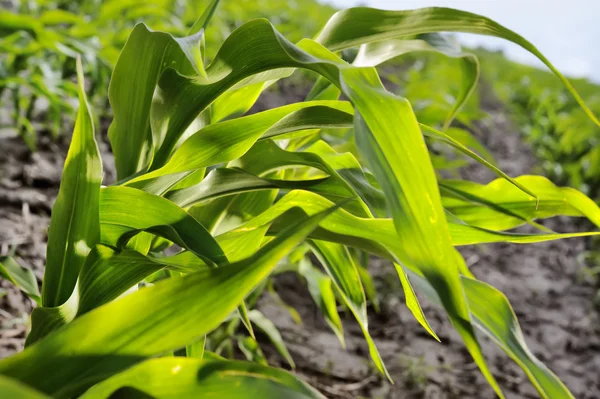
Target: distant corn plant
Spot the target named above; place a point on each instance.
(39, 41)
(565, 142)
(209, 203)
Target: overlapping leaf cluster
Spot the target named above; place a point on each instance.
(240, 197)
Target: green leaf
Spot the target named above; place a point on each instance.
(389, 138)
(179, 377)
(267, 326)
(144, 57)
(510, 207)
(355, 26)
(107, 274)
(44, 320)
(340, 266)
(412, 302)
(74, 227)
(376, 236)
(157, 319)
(493, 315)
(235, 102)
(320, 289)
(435, 134)
(126, 211)
(23, 278)
(10, 388)
(346, 178)
(463, 234)
(222, 181)
(372, 54)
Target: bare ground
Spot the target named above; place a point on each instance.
(546, 283)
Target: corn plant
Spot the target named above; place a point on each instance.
(210, 202)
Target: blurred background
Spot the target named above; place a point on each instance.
(520, 117)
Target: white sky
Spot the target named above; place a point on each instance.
(566, 32)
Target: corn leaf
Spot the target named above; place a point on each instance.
(223, 181)
(226, 141)
(74, 227)
(271, 331)
(320, 289)
(493, 315)
(144, 57)
(126, 211)
(13, 389)
(107, 274)
(340, 266)
(404, 170)
(510, 208)
(441, 136)
(177, 377)
(355, 26)
(23, 278)
(373, 54)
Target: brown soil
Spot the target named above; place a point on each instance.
(546, 283)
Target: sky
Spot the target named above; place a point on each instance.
(566, 32)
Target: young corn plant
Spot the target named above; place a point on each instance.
(209, 202)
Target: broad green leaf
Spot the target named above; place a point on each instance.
(348, 167)
(355, 26)
(107, 274)
(126, 211)
(74, 227)
(144, 57)
(13, 389)
(179, 377)
(157, 319)
(370, 234)
(389, 138)
(23, 278)
(251, 50)
(235, 102)
(510, 207)
(193, 95)
(44, 320)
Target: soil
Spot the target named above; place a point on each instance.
(546, 284)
